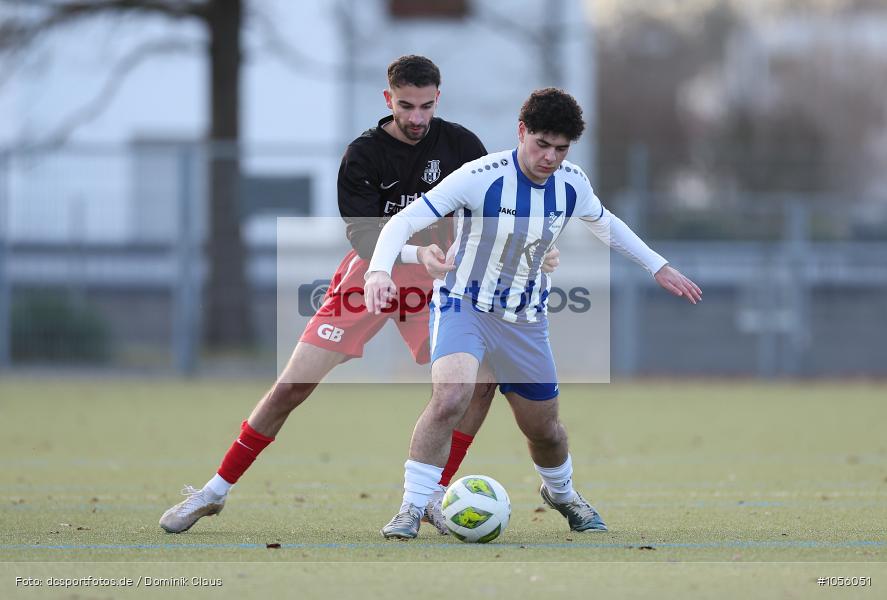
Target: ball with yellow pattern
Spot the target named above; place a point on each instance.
(476, 509)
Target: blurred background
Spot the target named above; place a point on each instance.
(148, 147)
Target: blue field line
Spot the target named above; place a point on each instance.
(341, 546)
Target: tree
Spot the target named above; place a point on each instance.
(644, 60)
(227, 315)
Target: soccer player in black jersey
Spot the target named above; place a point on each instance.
(382, 171)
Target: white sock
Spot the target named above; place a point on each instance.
(558, 480)
(420, 481)
(218, 485)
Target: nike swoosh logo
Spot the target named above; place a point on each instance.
(389, 186)
(244, 445)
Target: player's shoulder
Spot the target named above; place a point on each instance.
(465, 141)
(573, 173)
(492, 165)
(367, 142)
(455, 129)
(372, 143)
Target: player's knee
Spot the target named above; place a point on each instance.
(450, 400)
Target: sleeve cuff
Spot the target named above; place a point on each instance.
(372, 270)
(409, 255)
(656, 263)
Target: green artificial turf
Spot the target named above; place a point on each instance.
(703, 484)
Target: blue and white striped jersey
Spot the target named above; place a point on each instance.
(504, 225)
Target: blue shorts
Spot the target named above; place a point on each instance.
(519, 353)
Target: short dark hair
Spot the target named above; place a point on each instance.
(413, 70)
(554, 111)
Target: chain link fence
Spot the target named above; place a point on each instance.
(103, 264)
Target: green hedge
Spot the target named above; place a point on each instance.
(51, 326)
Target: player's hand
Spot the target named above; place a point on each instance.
(435, 261)
(378, 292)
(678, 284)
(552, 260)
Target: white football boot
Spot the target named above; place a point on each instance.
(200, 503)
(434, 514)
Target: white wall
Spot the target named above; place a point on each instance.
(294, 115)
(489, 65)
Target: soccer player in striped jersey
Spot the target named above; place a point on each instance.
(510, 207)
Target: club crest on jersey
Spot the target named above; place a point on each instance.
(432, 172)
(555, 221)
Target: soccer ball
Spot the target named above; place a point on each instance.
(476, 509)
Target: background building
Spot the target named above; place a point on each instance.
(720, 131)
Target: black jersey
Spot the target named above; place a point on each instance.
(380, 175)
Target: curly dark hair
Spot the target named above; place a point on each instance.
(554, 111)
(413, 70)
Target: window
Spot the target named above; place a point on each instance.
(417, 9)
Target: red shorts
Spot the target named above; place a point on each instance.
(343, 325)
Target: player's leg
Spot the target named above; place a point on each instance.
(307, 366)
(413, 325)
(522, 356)
(547, 441)
(316, 354)
(453, 381)
(453, 378)
(463, 436)
(546, 436)
(469, 425)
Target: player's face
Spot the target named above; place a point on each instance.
(413, 108)
(540, 152)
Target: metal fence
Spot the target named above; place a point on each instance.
(101, 265)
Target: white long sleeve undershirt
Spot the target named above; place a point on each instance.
(612, 231)
(409, 255)
(609, 228)
(394, 235)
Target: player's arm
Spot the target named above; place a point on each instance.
(551, 260)
(449, 195)
(432, 257)
(434, 260)
(379, 288)
(611, 230)
(359, 198)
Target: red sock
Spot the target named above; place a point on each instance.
(242, 453)
(458, 448)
